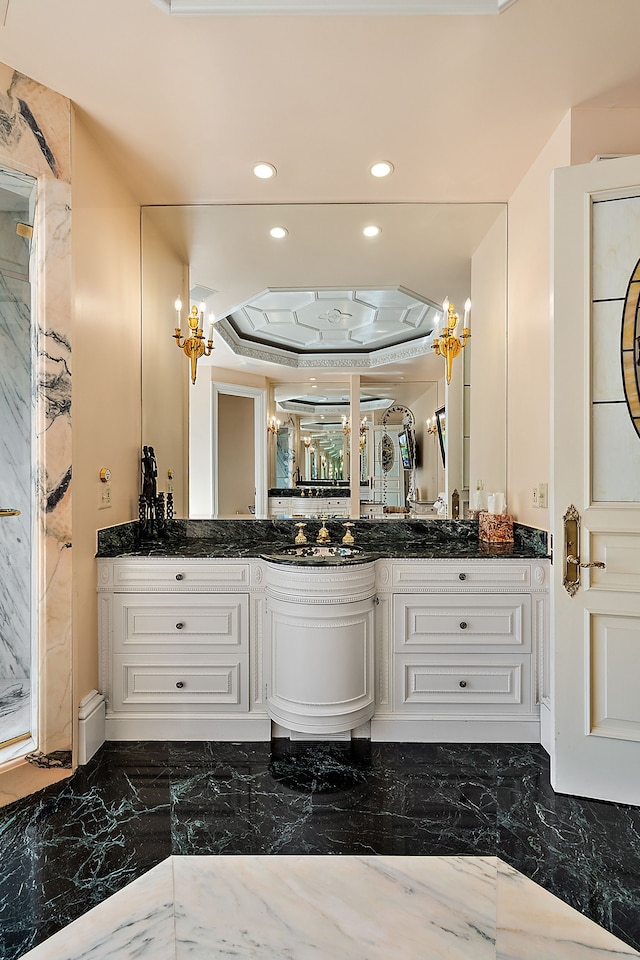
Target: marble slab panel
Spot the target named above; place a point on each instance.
(533, 924)
(365, 908)
(137, 922)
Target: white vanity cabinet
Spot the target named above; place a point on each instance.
(309, 506)
(423, 650)
(461, 646)
(181, 649)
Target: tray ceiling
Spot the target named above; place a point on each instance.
(366, 326)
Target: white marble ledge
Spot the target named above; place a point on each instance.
(335, 908)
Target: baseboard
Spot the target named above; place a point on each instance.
(188, 728)
(91, 726)
(411, 730)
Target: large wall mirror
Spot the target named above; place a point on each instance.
(225, 257)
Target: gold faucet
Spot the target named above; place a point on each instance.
(348, 537)
(323, 533)
(300, 537)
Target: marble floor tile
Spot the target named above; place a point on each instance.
(68, 848)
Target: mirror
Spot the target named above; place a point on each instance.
(224, 255)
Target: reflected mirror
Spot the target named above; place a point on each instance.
(224, 257)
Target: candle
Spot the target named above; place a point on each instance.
(178, 306)
(445, 312)
(211, 322)
(467, 312)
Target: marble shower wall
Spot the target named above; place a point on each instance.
(16, 476)
(35, 125)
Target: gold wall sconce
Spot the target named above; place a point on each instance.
(447, 344)
(194, 345)
(432, 426)
(273, 426)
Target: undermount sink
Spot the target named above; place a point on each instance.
(316, 554)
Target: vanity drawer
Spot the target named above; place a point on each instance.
(145, 623)
(461, 575)
(439, 622)
(179, 683)
(453, 685)
(184, 575)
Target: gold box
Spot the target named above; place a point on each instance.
(495, 527)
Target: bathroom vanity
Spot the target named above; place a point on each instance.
(220, 633)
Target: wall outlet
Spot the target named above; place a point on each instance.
(105, 496)
(540, 496)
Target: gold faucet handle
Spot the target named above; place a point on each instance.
(348, 537)
(323, 533)
(300, 538)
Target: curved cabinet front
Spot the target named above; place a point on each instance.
(321, 643)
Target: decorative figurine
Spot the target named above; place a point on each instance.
(152, 513)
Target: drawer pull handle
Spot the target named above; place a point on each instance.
(462, 683)
(179, 576)
(462, 576)
(180, 684)
(179, 626)
(463, 624)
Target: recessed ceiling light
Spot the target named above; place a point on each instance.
(371, 230)
(278, 232)
(381, 169)
(313, 378)
(264, 170)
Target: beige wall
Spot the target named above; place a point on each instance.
(598, 132)
(166, 378)
(528, 379)
(488, 358)
(106, 382)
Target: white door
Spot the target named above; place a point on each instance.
(596, 470)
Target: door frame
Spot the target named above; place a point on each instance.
(203, 445)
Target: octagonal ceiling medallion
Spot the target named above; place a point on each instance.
(359, 327)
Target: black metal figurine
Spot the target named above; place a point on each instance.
(151, 507)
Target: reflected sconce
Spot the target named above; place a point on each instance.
(447, 344)
(346, 429)
(432, 426)
(273, 426)
(193, 346)
(307, 442)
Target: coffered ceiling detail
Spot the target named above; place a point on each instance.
(365, 326)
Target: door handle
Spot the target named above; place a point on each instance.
(9, 512)
(585, 566)
(572, 562)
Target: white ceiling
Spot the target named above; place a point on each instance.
(462, 105)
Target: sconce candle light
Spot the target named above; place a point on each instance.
(193, 345)
(448, 345)
(273, 425)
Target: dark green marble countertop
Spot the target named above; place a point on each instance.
(250, 539)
